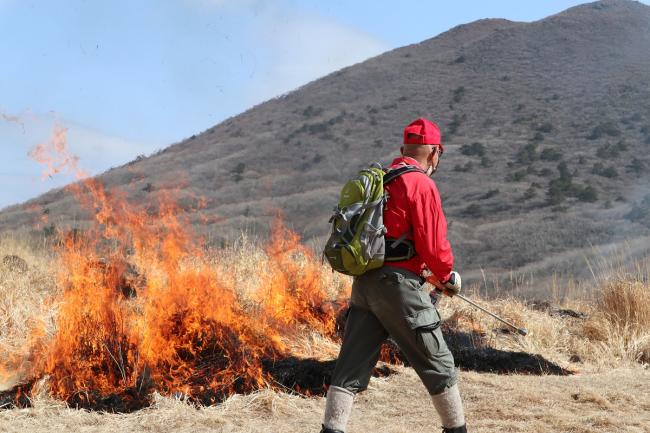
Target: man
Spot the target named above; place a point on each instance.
(390, 301)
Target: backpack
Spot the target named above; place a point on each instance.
(357, 243)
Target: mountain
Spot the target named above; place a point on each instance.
(547, 133)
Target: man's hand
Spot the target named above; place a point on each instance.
(450, 287)
(453, 284)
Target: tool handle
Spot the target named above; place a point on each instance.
(520, 331)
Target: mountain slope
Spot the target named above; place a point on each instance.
(546, 125)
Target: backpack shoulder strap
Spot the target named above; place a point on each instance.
(394, 173)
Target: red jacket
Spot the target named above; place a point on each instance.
(414, 202)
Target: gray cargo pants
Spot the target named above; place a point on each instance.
(390, 301)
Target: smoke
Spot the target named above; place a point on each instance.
(10, 118)
(13, 119)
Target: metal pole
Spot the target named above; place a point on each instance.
(520, 331)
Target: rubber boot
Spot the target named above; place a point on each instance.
(461, 429)
(329, 430)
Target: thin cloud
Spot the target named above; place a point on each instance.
(220, 4)
(307, 47)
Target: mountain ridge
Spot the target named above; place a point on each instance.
(571, 89)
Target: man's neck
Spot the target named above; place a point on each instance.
(422, 163)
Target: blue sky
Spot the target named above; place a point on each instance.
(130, 77)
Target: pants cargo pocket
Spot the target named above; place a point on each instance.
(424, 323)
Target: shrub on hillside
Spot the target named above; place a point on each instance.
(600, 169)
(475, 148)
(486, 162)
(549, 154)
(530, 193)
(238, 171)
(315, 128)
(640, 211)
(538, 137)
(516, 176)
(310, 111)
(645, 131)
(608, 128)
(459, 59)
(587, 194)
(556, 193)
(527, 154)
(636, 166)
(137, 159)
(459, 92)
(473, 210)
(456, 121)
(636, 117)
(491, 193)
(464, 168)
(560, 187)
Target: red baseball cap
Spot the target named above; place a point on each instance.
(422, 131)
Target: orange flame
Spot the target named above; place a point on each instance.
(143, 307)
(54, 155)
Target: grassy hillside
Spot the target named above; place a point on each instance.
(547, 127)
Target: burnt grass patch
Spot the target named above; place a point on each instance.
(471, 352)
(307, 377)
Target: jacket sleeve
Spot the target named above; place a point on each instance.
(430, 229)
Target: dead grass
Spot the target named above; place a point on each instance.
(620, 325)
(23, 302)
(603, 402)
(608, 393)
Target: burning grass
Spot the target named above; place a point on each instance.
(142, 305)
(137, 304)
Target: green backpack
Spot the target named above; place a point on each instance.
(357, 243)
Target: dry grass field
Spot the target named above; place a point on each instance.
(608, 401)
(608, 352)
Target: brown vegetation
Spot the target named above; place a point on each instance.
(606, 350)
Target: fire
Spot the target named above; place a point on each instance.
(54, 155)
(143, 307)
